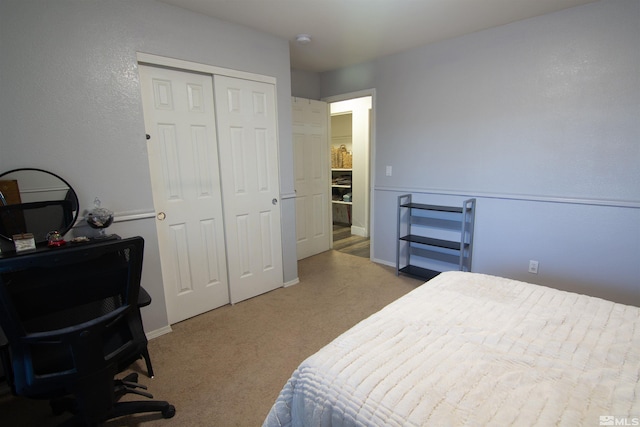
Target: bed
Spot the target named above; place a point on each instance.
(467, 349)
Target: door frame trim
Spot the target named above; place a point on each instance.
(372, 152)
(164, 61)
(153, 60)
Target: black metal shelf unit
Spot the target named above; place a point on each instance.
(433, 234)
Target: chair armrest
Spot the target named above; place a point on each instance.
(144, 299)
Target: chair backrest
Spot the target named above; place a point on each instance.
(70, 315)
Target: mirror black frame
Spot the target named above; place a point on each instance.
(75, 206)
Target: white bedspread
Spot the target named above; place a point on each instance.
(474, 350)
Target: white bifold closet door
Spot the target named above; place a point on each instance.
(248, 146)
(204, 253)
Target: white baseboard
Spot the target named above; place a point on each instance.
(291, 282)
(158, 332)
(359, 231)
(383, 262)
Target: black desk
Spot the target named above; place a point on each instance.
(9, 250)
(9, 253)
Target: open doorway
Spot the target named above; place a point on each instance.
(350, 145)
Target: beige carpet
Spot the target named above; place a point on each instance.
(226, 367)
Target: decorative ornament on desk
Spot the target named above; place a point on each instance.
(55, 239)
(99, 218)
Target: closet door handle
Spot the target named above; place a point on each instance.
(274, 201)
(161, 216)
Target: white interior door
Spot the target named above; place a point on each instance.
(248, 147)
(311, 174)
(183, 161)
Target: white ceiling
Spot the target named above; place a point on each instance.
(347, 32)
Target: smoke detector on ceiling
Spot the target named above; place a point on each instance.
(303, 39)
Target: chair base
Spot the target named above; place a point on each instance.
(128, 408)
(121, 387)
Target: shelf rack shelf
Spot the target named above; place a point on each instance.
(341, 184)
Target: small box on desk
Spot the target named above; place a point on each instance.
(24, 242)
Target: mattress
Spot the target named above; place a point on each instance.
(466, 349)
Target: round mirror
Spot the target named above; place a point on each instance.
(37, 202)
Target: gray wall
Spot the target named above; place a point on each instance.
(70, 102)
(305, 84)
(540, 121)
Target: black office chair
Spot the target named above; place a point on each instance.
(72, 322)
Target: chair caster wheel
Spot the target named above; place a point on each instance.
(61, 405)
(169, 411)
(57, 407)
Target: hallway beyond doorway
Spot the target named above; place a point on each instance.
(345, 242)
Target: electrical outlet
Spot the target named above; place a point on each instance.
(533, 266)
